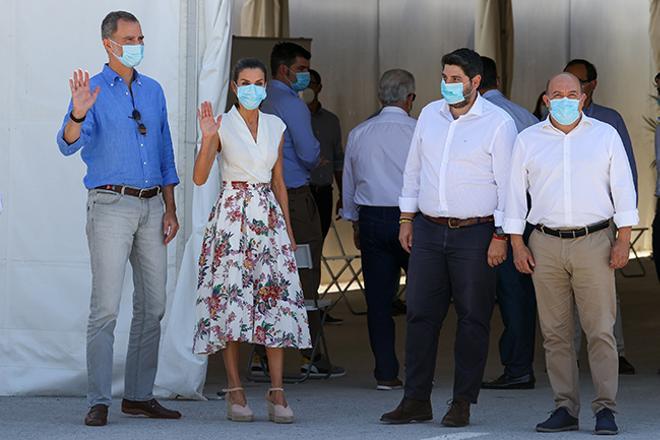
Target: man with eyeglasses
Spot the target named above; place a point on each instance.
(588, 76)
(118, 121)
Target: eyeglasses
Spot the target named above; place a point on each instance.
(138, 119)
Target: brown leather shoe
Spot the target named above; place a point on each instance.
(97, 416)
(458, 414)
(409, 411)
(150, 408)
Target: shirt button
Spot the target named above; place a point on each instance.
(142, 145)
(145, 163)
(146, 181)
(112, 84)
(126, 93)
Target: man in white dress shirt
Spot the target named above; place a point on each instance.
(576, 170)
(452, 208)
(375, 155)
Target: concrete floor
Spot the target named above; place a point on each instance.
(349, 407)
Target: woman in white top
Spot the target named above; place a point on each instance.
(248, 288)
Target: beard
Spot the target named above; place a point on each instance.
(465, 101)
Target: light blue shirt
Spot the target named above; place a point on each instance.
(112, 147)
(301, 150)
(521, 116)
(374, 161)
(612, 117)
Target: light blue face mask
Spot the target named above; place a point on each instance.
(565, 110)
(452, 92)
(132, 54)
(302, 81)
(250, 96)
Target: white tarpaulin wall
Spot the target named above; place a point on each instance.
(44, 262)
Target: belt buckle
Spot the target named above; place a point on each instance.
(140, 193)
(450, 225)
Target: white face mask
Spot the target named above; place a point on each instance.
(308, 95)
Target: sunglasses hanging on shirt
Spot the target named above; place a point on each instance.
(138, 119)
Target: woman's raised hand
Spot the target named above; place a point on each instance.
(207, 122)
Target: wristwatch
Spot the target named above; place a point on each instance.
(77, 120)
(500, 232)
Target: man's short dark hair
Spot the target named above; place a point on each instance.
(109, 23)
(591, 69)
(315, 75)
(466, 59)
(286, 53)
(489, 75)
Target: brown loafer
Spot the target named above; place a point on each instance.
(97, 416)
(458, 414)
(150, 408)
(409, 411)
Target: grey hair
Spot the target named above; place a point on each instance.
(109, 23)
(395, 85)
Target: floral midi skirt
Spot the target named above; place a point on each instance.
(248, 288)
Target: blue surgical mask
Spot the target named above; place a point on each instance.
(302, 81)
(565, 110)
(250, 96)
(132, 54)
(452, 92)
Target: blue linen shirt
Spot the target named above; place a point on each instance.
(112, 147)
(301, 150)
(612, 117)
(520, 115)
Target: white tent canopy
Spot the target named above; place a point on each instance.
(44, 264)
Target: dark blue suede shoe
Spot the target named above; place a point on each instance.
(605, 424)
(560, 420)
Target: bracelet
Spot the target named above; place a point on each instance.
(76, 120)
(403, 220)
(501, 237)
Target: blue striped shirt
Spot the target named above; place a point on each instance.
(112, 147)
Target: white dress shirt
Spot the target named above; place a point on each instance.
(574, 180)
(459, 167)
(375, 155)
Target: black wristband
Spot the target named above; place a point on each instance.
(76, 120)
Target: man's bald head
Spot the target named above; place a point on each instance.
(563, 80)
(563, 85)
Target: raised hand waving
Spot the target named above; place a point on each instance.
(83, 98)
(207, 122)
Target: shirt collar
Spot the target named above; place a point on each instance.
(276, 83)
(477, 108)
(113, 77)
(393, 109)
(546, 124)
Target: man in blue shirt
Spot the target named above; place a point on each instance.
(588, 76)
(515, 291)
(289, 64)
(118, 120)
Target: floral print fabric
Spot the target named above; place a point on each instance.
(248, 288)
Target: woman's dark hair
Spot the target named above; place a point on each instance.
(247, 63)
(466, 59)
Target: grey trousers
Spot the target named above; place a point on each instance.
(121, 229)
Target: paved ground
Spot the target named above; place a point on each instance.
(349, 407)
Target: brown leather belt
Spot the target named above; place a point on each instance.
(145, 193)
(455, 223)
